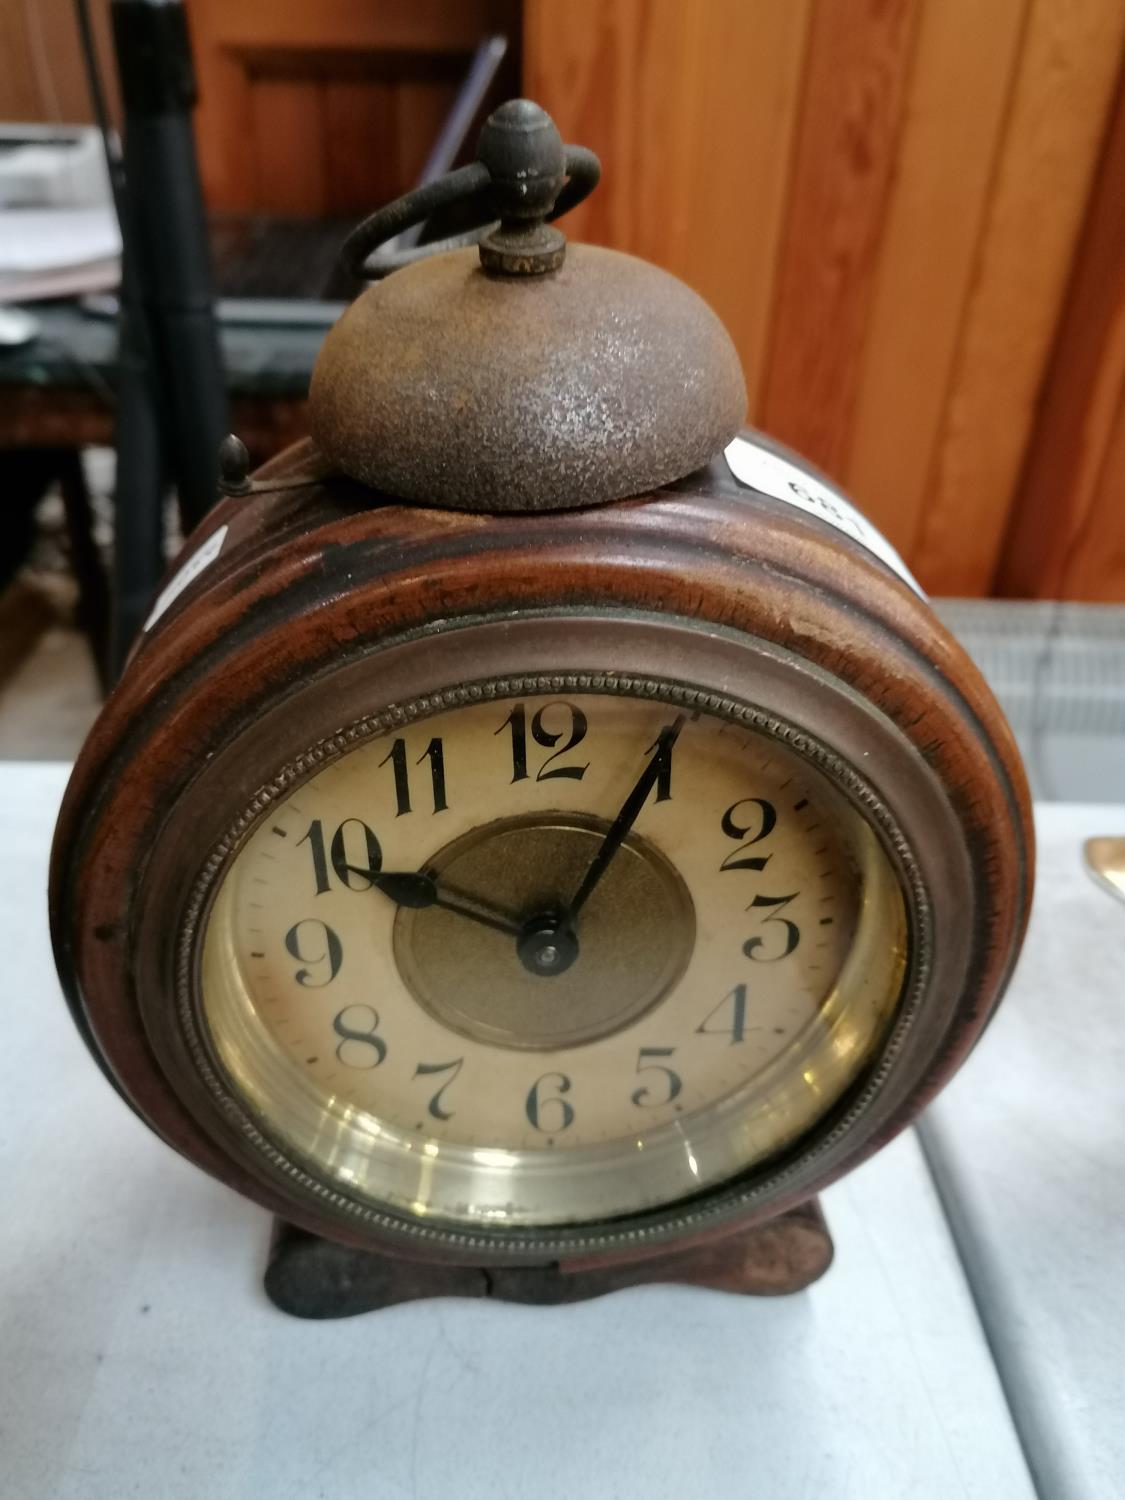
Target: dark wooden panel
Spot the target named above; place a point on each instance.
(388, 25)
(328, 108)
(420, 109)
(289, 141)
(360, 145)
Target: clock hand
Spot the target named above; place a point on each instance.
(625, 819)
(414, 888)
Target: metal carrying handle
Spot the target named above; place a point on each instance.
(523, 179)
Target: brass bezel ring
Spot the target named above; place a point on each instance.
(874, 1109)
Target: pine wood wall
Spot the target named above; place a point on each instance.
(910, 213)
(884, 199)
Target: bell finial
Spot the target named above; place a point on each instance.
(523, 176)
(234, 466)
(526, 160)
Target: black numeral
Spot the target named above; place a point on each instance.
(347, 870)
(735, 828)
(548, 738)
(662, 748)
(435, 754)
(314, 837)
(649, 1095)
(359, 1045)
(452, 1068)
(327, 953)
(538, 1103)
(729, 1017)
(753, 946)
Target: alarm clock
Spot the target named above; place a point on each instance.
(542, 835)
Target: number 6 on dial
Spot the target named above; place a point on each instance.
(537, 1103)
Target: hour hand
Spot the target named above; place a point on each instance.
(417, 889)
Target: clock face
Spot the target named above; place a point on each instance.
(537, 961)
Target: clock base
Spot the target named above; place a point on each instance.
(311, 1277)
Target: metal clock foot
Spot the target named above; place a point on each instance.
(311, 1277)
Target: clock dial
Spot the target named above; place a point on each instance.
(544, 960)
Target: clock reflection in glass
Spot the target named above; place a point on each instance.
(538, 961)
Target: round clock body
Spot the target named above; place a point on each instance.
(532, 889)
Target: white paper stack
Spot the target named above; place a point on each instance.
(58, 252)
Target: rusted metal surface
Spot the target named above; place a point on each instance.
(532, 376)
(311, 1277)
(315, 580)
(448, 386)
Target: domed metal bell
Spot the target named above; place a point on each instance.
(525, 374)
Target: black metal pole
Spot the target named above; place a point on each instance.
(138, 551)
(138, 501)
(170, 251)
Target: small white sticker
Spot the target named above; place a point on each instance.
(760, 469)
(201, 558)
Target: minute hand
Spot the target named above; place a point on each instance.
(625, 819)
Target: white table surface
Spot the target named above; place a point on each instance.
(139, 1356)
(1028, 1149)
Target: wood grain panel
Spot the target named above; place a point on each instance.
(1096, 562)
(420, 110)
(596, 68)
(42, 71)
(1059, 108)
(859, 62)
(225, 118)
(692, 109)
(411, 50)
(753, 58)
(289, 143)
(952, 125)
(390, 25)
(21, 89)
(1066, 534)
(360, 145)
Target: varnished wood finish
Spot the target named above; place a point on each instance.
(42, 71)
(1060, 105)
(951, 131)
(885, 202)
(330, 109)
(882, 200)
(692, 110)
(315, 576)
(855, 89)
(1065, 538)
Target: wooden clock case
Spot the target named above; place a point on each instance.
(318, 577)
(503, 397)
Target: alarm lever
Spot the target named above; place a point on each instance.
(524, 177)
